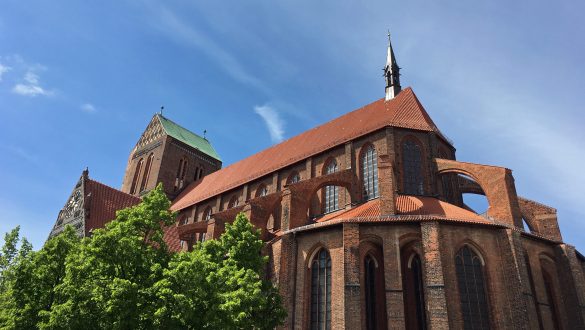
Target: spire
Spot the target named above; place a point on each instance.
(391, 73)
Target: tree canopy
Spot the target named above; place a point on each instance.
(125, 277)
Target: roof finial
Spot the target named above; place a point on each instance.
(162, 107)
(391, 73)
(204, 132)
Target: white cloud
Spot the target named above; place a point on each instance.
(3, 69)
(31, 86)
(273, 122)
(88, 108)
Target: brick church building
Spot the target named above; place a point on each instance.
(364, 222)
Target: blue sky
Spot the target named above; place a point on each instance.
(79, 81)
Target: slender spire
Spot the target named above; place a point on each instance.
(391, 73)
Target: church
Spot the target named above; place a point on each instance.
(364, 222)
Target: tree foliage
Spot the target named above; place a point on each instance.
(125, 277)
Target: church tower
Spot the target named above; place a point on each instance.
(168, 153)
(391, 73)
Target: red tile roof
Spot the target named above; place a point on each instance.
(104, 201)
(403, 111)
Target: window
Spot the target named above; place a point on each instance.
(412, 168)
(472, 296)
(294, 177)
(233, 202)
(136, 176)
(321, 291)
(532, 289)
(262, 190)
(370, 288)
(550, 297)
(207, 214)
(181, 172)
(331, 192)
(146, 172)
(414, 297)
(369, 163)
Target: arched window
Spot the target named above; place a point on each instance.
(369, 164)
(550, 297)
(414, 296)
(233, 202)
(472, 296)
(146, 172)
(321, 291)
(262, 190)
(412, 168)
(181, 172)
(136, 176)
(370, 281)
(331, 192)
(207, 214)
(532, 289)
(294, 177)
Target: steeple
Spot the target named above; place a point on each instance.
(391, 73)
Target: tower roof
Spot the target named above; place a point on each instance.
(184, 135)
(403, 111)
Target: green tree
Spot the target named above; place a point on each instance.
(220, 285)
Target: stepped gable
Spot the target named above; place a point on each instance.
(404, 111)
(103, 202)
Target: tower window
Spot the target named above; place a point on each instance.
(331, 192)
(321, 291)
(136, 176)
(472, 296)
(412, 168)
(146, 172)
(369, 173)
(181, 172)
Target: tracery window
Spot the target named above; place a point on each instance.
(320, 318)
(136, 176)
(472, 296)
(370, 288)
(294, 177)
(369, 173)
(146, 172)
(412, 168)
(331, 192)
(261, 191)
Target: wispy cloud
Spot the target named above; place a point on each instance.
(30, 86)
(88, 108)
(3, 69)
(273, 122)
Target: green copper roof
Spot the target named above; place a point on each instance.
(188, 137)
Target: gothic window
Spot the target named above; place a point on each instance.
(370, 288)
(369, 164)
(414, 297)
(532, 289)
(331, 192)
(146, 172)
(181, 172)
(550, 297)
(262, 190)
(136, 176)
(412, 168)
(207, 214)
(233, 202)
(294, 177)
(321, 291)
(472, 296)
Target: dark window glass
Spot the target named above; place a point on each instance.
(331, 192)
(136, 176)
(146, 172)
(370, 279)
(370, 173)
(550, 297)
(412, 168)
(473, 299)
(321, 292)
(414, 298)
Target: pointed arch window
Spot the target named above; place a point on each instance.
(532, 289)
(331, 192)
(294, 177)
(146, 172)
(414, 297)
(370, 288)
(412, 167)
(261, 191)
(472, 295)
(136, 176)
(550, 297)
(369, 173)
(181, 172)
(320, 316)
(233, 202)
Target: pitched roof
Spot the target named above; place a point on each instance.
(104, 201)
(189, 138)
(403, 111)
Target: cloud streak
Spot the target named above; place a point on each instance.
(3, 70)
(88, 108)
(31, 86)
(273, 122)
